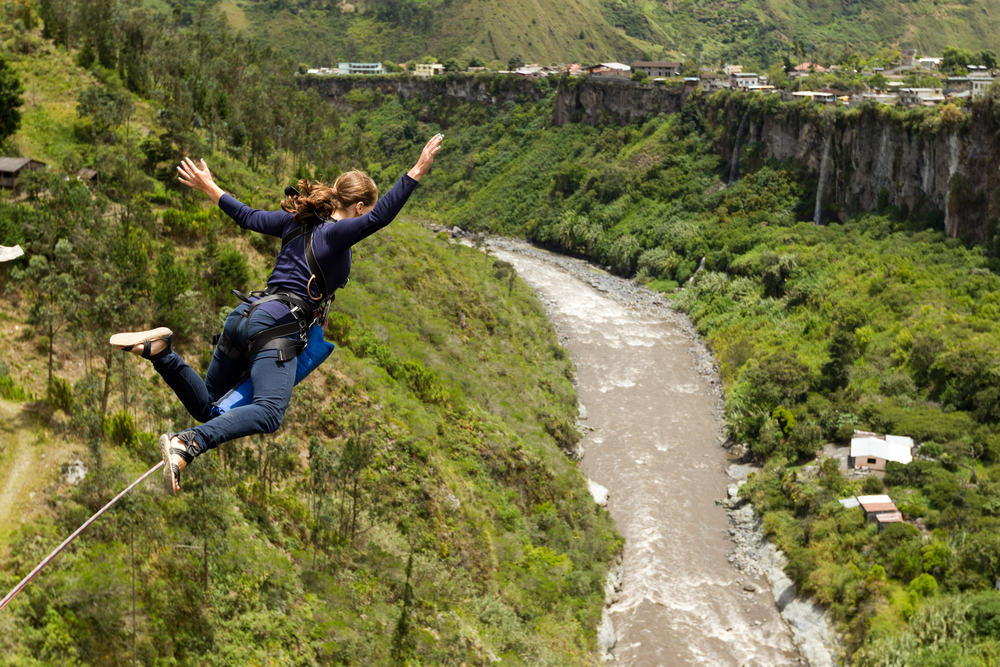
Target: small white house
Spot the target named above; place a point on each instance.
(873, 451)
(744, 80)
(814, 95)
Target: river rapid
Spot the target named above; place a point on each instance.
(653, 407)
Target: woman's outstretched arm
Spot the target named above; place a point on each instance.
(348, 231)
(271, 223)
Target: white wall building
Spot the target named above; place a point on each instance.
(873, 451)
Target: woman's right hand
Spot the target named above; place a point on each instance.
(423, 165)
(199, 179)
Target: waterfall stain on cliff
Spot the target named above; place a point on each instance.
(824, 169)
(734, 163)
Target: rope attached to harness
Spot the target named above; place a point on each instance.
(24, 582)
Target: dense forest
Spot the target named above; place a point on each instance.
(417, 506)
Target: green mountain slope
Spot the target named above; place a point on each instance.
(416, 506)
(321, 32)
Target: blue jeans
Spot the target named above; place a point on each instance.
(272, 385)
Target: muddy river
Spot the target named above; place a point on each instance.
(655, 444)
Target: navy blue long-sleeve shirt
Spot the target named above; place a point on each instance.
(332, 241)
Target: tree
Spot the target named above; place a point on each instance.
(988, 58)
(877, 82)
(476, 61)
(53, 283)
(640, 75)
(515, 62)
(843, 353)
(452, 65)
(10, 100)
(954, 59)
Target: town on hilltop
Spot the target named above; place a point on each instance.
(903, 78)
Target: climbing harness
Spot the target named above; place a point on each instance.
(31, 575)
(305, 313)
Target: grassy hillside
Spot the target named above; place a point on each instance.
(321, 32)
(415, 508)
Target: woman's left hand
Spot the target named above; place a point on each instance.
(199, 179)
(423, 165)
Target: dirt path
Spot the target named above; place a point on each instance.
(30, 460)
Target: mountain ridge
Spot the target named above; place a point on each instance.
(321, 32)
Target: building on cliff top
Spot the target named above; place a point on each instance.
(654, 69)
(920, 97)
(428, 69)
(610, 69)
(873, 451)
(359, 68)
(744, 80)
(713, 82)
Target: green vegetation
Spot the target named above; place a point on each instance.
(430, 518)
(878, 323)
(754, 32)
(416, 508)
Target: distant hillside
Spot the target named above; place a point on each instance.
(320, 32)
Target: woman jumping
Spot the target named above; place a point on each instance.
(263, 335)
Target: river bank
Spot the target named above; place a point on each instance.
(686, 595)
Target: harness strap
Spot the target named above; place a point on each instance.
(315, 269)
(272, 338)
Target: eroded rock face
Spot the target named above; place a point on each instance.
(595, 101)
(876, 159)
(483, 90)
(879, 161)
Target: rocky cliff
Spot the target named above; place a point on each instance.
(877, 158)
(483, 89)
(858, 160)
(597, 100)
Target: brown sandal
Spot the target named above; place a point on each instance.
(127, 341)
(171, 471)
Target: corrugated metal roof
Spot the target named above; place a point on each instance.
(880, 503)
(875, 499)
(849, 502)
(889, 517)
(893, 448)
(12, 164)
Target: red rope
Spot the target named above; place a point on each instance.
(24, 582)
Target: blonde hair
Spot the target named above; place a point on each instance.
(317, 198)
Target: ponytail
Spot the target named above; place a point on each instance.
(315, 198)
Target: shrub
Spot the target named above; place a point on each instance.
(60, 395)
(924, 586)
(872, 486)
(121, 430)
(805, 439)
(985, 614)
